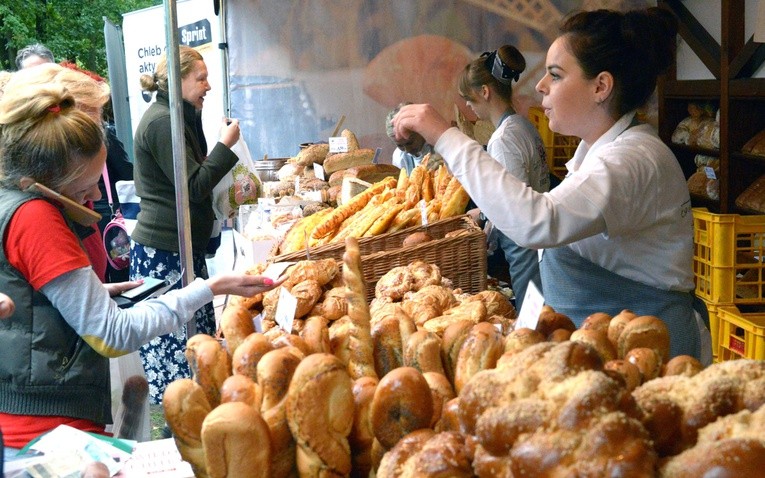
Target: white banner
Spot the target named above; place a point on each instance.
(144, 37)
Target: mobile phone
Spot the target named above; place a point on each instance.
(150, 284)
(75, 212)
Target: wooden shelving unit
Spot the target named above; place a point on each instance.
(740, 98)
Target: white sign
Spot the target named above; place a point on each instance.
(285, 310)
(531, 308)
(144, 38)
(338, 144)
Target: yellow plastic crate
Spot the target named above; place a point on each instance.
(558, 148)
(714, 325)
(741, 335)
(728, 253)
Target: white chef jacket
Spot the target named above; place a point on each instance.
(516, 145)
(624, 204)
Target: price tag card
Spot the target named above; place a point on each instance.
(285, 310)
(531, 308)
(338, 144)
(257, 321)
(318, 171)
(423, 212)
(710, 172)
(275, 270)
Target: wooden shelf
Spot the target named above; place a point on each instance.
(739, 98)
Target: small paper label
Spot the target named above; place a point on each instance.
(257, 321)
(423, 212)
(297, 184)
(338, 144)
(531, 308)
(318, 171)
(275, 270)
(285, 310)
(710, 172)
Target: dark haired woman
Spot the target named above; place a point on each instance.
(486, 85)
(617, 232)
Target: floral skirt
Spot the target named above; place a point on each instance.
(164, 357)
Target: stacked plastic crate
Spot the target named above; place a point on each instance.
(729, 250)
(559, 148)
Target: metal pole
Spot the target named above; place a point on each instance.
(223, 45)
(179, 150)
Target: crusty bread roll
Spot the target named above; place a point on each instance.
(402, 403)
(315, 334)
(236, 442)
(333, 305)
(450, 420)
(598, 321)
(246, 357)
(292, 340)
(451, 342)
(627, 370)
(482, 348)
(395, 283)
(415, 238)
(617, 324)
(423, 351)
(682, 365)
(241, 388)
(236, 324)
(185, 405)
(560, 335)
(320, 409)
(307, 294)
(496, 303)
(392, 463)
(444, 455)
(390, 336)
(645, 331)
(647, 360)
(441, 390)
(732, 457)
(520, 339)
(598, 339)
(362, 436)
(552, 321)
(210, 365)
(275, 370)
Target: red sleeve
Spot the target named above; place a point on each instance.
(40, 245)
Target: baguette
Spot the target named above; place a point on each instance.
(341, 213)
(336, 162)
(456, 200)
(295, 239)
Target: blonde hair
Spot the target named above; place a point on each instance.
(44, 137)
(87, 92)
(158, 81)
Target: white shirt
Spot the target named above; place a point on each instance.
(624, 205)
(516, 145)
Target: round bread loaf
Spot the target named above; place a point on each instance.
(682, 365)
(627, 370)
(415, 238)
(617, 324)
(522, 338)
(647, 360)
(402, 403)
(598, 320)
(645, 331)
(598, 339)
(552, 321)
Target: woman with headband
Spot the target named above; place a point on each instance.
(486, 85)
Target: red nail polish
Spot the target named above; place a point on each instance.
(268, 281)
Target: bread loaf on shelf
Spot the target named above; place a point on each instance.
(753, 197)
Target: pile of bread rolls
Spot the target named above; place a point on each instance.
(428, 381)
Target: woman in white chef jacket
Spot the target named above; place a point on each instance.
(617, 232)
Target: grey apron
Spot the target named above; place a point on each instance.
(576, 287)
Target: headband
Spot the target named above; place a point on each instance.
(499, 70)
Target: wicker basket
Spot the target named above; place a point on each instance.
(461, 258)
